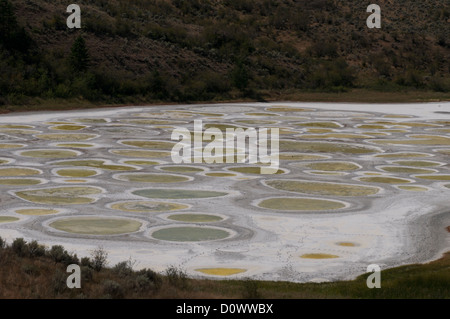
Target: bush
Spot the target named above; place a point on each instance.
(2, 243)
(59, 255)
(59, 282)
(99, 258)
(148, 279)
(112, 289)
(123, 268)
(35, 249)
(177, 277)
(19, 247)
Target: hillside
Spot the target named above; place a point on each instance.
(206, 50)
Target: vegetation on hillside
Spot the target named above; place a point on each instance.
(204, 50)
(31, 270)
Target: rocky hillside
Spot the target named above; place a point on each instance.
(178, 50)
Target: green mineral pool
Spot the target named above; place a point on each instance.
(322, 188)
(320, 124)
(385, 180)
(413, 188)
(182, 169)
(60, 195)
(418, 163)
(8, 219)
(96, 225)
(147, 206)
(141, 153)
(195, 218)
(220, 174)
(416, 139)
(66, 137)
(18, 171)
(68, 127)
(76, 172)
(19, 181)
(434, 177)
(406, 170)
(157, 145)
(10, 145)
(75, 145)
(190, 234)
(300, 157)
(403, 155)
(336, 136)
(297, 204)
(177, 193)
(325, 147)
(152, 178)
(333, 166)
(96, 164)
(252, 170)
(49, 153)
(143, 163)
(286, 109)
(37, 211)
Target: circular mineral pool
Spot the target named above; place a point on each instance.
(182, 169)
(301, 157)
(49, 153)
(221, 271)
(20, 181)
(67, 137)
(37, 211)
(403, 155)
(152, 178)
(190, 234)
(286, 109)
(60, 195)
(318, 256)
(8, 219)
(177, 193)
(96, 225)
(96, 164)
(9, 145)
(195, 218)
(418, 163)
(68, 127)
(300, 204)
(74, 145)
(418, 140)
(434, 177)
(147, 206)
(406, 170)
(143, 163)
(157, 145)
(413, 188)
(325, 147)
(220, 174)
(322, 188)
(141, 153)
(336, 136)
(253, 170)
(333, 166)
(18, 171)
(320, 124)
(76, 172)
(91, 120)
(385, 180)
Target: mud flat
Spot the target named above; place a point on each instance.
(357, 184)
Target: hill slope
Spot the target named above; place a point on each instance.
(175, 50)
